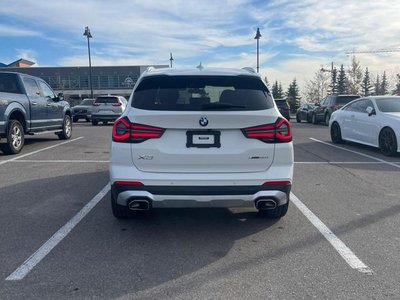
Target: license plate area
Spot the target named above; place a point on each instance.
(203, 139)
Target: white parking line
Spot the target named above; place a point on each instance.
(343, 162)
(45, 249)
(359, 153)
(344, 251)
(40, 150)
(59, 161)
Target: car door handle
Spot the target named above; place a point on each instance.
(49, 104)
(34, 103)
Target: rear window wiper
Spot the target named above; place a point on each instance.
(220, 106)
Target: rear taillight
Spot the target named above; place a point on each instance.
(278, 132)
(126, 132)
(95, 104)
(117, 104)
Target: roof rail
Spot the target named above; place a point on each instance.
(249, 69)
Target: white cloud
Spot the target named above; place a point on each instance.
(6, 30)
(27, 54)
(219, 33)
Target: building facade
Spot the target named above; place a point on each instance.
(73, 82)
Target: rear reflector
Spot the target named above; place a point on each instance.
(117, 104)
(134, 183)
(277, 183)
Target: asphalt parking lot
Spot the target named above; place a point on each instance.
(59, 240)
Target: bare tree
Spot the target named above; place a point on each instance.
(316, 88)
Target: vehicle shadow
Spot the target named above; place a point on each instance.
(105, 256)
(166, 244)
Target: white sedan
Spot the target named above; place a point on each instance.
(373, 121)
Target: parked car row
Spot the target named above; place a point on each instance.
(322, 111)
(104, 109)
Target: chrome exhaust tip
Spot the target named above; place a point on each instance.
(141, 204)
(266, 204)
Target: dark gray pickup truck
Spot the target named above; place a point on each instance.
(29, 106)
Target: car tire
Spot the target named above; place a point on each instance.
(15, 138)
(298, 120)
(327, 118)
(276, 213)
(75, 120)
(308, 119)
(95, 122)
(66, 132)
(120, 211)
(336, 133)
(87, 119)
(105, 122)
(387, 142)
(314, 119)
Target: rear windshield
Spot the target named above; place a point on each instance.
(9, 83)
(388, 105)
(86, 102)
(281, 102)
(108, 100)
(194, 93)
(345, 99)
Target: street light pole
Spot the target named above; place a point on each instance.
(257, 37)
(171, 59)
(89, 35)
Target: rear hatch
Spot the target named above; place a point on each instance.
(343, 100)
(201, 119)
(104, 105)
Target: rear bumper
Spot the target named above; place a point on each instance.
(105, 117)
(81, 115)
(200, 196)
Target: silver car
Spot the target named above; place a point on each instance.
(83, 110)
(107, 108)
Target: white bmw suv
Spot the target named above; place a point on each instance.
(201, 138)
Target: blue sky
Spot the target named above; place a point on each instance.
(298, 37)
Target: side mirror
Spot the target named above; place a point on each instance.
(59, 97)
(371, 111)
(317, 104)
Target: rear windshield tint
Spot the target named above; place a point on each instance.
(108, 100)
(86, 102)
(9, 83)
(281, 103)
(195, 93)
(345, 99)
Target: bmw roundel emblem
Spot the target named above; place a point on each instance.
(203, 121)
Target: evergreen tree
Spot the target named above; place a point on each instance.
(293, 95)
(384, 84)
(377, 86)
(355, 77)
(366, 85)
(275, 90)
(342, 81)
(396, 91)
(280, 90)
(333, 85)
